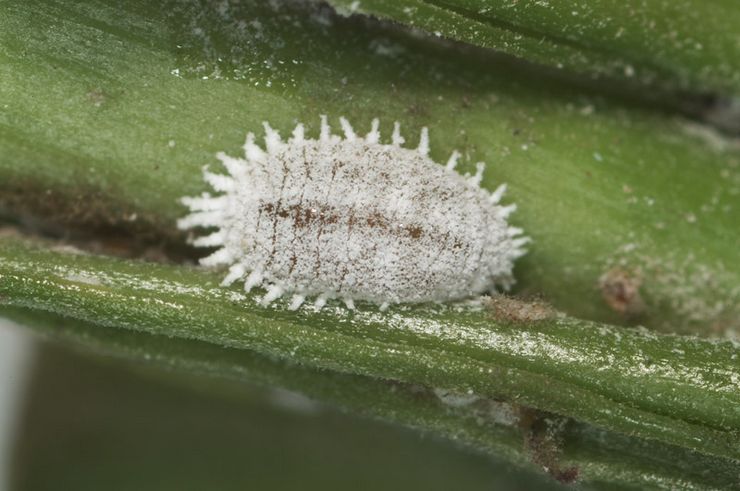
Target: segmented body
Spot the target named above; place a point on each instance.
(356, 219)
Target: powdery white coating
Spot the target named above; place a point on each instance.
(356, 219)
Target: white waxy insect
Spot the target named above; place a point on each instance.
(356, 219)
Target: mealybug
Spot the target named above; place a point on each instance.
(356, 219)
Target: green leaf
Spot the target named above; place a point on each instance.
(689, 45)
(110, 109)
(677, 390)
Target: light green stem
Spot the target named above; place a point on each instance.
(678, 390)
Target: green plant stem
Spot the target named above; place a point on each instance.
(678, 390)
(600, 456)
(687, 45)
(110, 109)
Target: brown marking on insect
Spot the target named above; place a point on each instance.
(310, 215)
(376, 220)
(414, 231)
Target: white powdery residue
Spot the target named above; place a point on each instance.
(521, 344)
(711, 137)
(168, 287)
(455, 399)
(386, 47)
(529, 345)
(354, 218)
(162, 303)
(229, 44)
(236, 296)
(136, 282)
(294, 401)
(486, 410)
(503, 413)
(69, 249)
(666, 370)
(82, 277)
(475, 304)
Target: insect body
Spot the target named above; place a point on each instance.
(356, 219)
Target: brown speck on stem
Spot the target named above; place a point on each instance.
(92, 220)
(96, 97)
(417, 110)
(512, 310)
(543, 440)
(620, 289)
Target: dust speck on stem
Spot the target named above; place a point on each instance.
(513, 310)
(620, 289)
